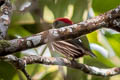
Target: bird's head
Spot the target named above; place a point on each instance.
(61, 22)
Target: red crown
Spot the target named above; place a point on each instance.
(66, 20)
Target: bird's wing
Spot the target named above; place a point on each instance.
(72, 48)
(67, 49)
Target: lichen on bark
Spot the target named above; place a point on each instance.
(4, 44)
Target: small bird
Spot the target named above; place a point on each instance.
(75, 48)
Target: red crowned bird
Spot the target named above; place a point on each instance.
(71, 48)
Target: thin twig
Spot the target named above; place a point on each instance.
(26, 74)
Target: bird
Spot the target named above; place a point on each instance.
(74, 48)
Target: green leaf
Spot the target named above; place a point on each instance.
(74, 74)
(101, 6)
(7, 71)
(50, 75)
(100, 61)
(79, 8)
(13, 31)
(58, 7)
(114, 40)
(34, 68)
(92, 37)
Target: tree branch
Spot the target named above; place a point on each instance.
(64, 62)
(110, 19)
(6, 11)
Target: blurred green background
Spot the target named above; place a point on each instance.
(39, 16)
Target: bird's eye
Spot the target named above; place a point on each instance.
(55, 23)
